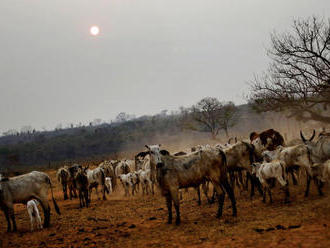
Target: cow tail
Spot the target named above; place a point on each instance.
(57, 209)
(223, 168)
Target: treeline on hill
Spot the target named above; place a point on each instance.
(82, 142)
(108, 140)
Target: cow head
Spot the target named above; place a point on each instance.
(154, 153)
(255, 167)
(258, 146)
(307, 141)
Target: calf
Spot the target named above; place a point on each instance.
(271, 170)
(63, 177)
(21, 189)
(81, 181)
(108, 168)
(33, 212)
(126, 182)
(144, 176)
(134, 177)
(191, 170)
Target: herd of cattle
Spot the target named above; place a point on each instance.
(260, 161)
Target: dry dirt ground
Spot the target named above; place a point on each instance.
(141, 222)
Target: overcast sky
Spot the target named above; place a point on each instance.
(150, 55)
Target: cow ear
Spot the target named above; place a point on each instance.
(147, 146)
(164, 152)
(159, 145)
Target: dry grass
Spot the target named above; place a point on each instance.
(141, 222)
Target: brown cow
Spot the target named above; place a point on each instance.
(266, 140)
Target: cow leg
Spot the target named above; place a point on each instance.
(45, 206)
(294, 180)
(205, 188)
(270, 195)
(264, 195)
(85, 197)
(80, 197)
(319, 185)
(70, 191)
(176, 201)
(221, 198)
(287, 193)
(12, 216)
(103, 191)
(247, 181)
(259, 186)
(240, 179)
(250, 177)
(6, 212)
(169, 208)
(152, 187)
(213, 196)
(231, 195)
(177, 211)
(307, 184)
(198, 195)
(97, 192)
(232, 178)
(65, 193)
(74, 191)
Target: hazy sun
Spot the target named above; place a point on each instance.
(94, 30)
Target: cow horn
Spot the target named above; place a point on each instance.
(302, 137)
(312, 135)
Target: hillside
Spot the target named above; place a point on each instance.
(110, 140)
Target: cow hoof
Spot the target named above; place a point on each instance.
(177, 222)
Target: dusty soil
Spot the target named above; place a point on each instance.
(141, 222)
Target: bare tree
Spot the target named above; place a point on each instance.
(228, 116)
(122, 117)
(298, 79)
(26, 129)
(208, 113)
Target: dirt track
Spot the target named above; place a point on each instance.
(141, 222)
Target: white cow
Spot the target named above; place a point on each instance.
(271, 170)
(34, 213)
(96, 177)
(145, 181)
(126, 182)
